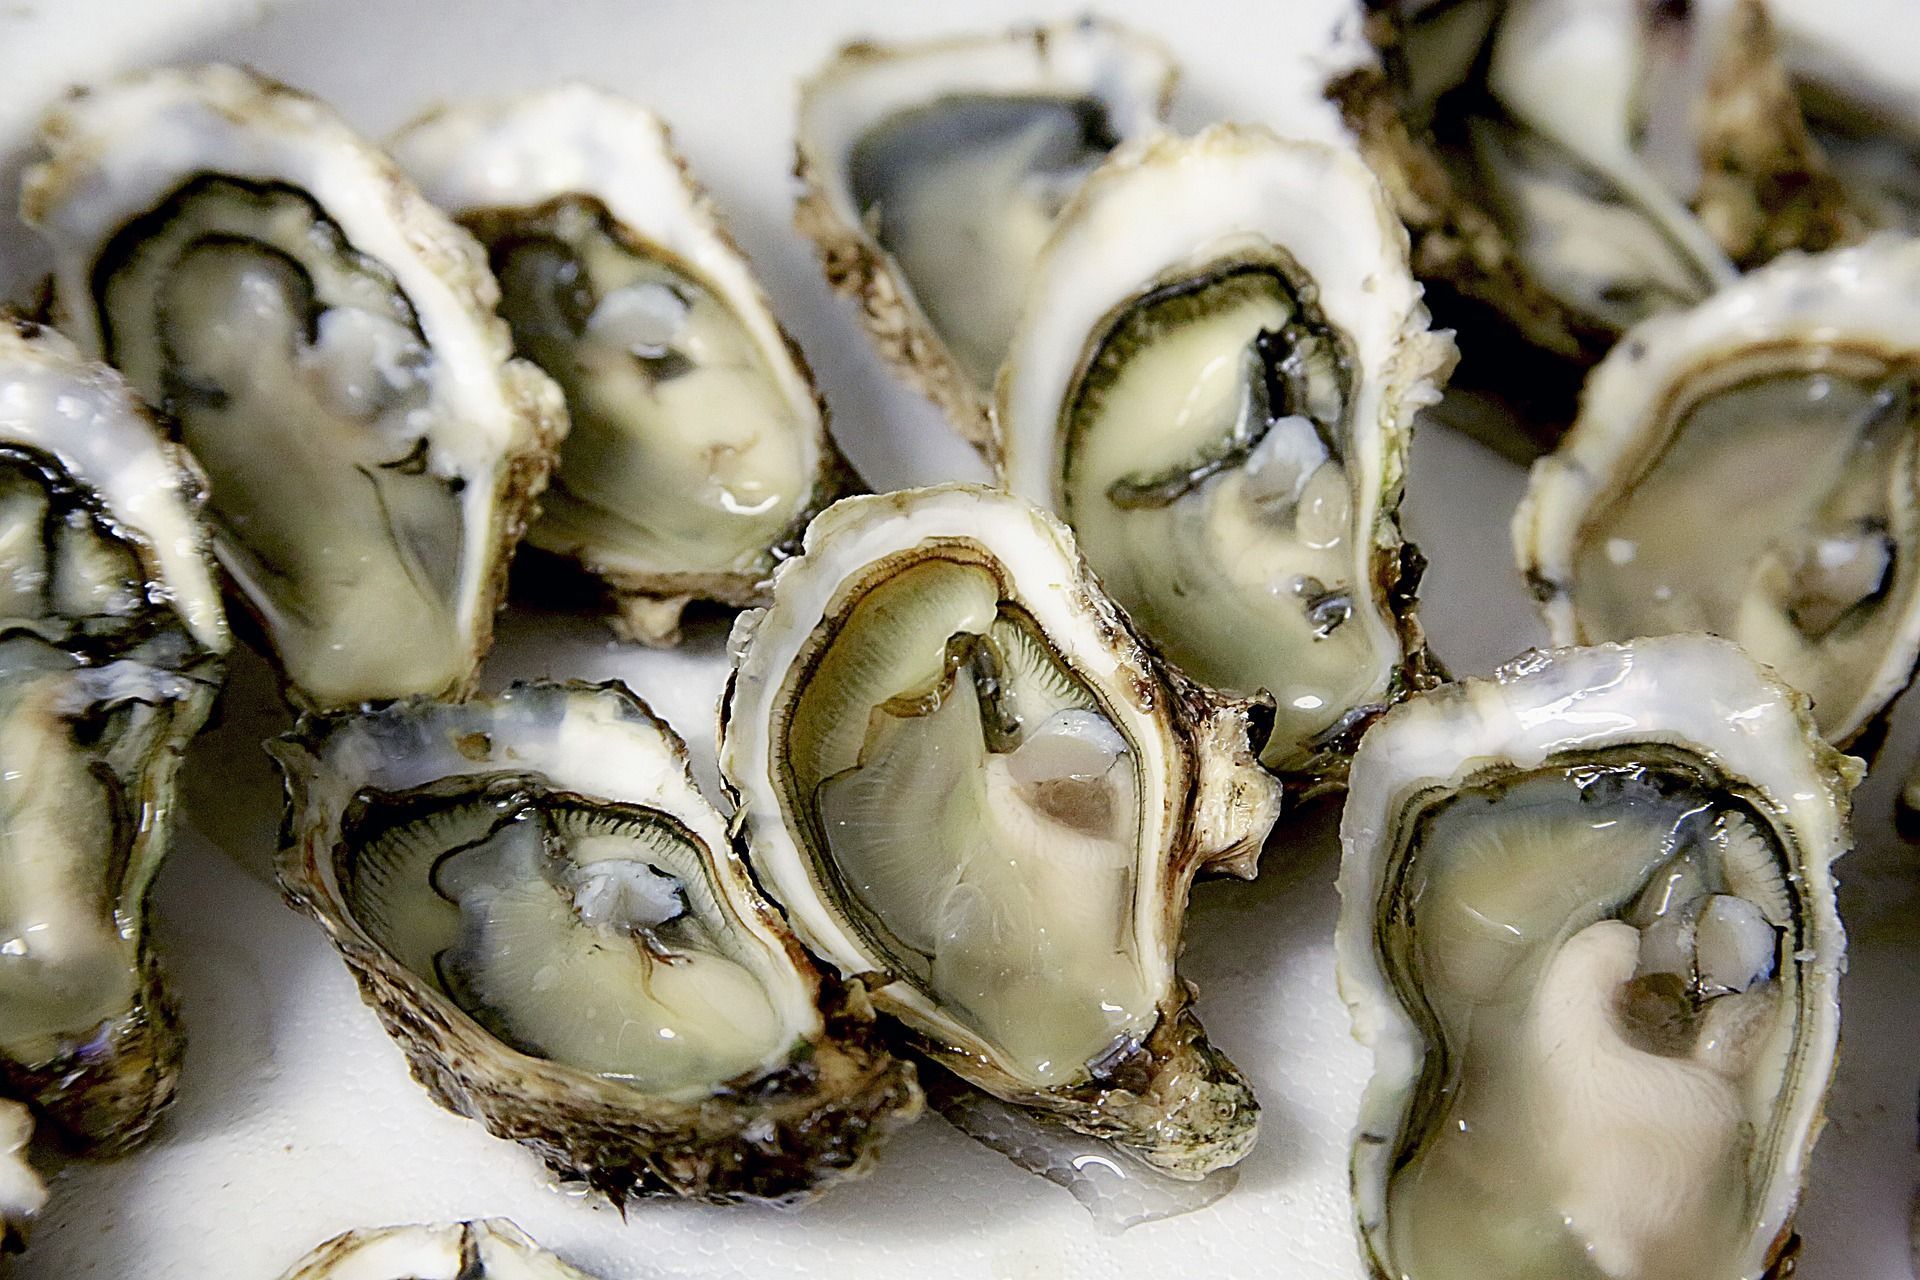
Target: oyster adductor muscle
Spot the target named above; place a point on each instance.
(698, 448)
(1214, 382)
(326, 341)
(559, 931)
(111, 643)
(962, 773)
(1588, 928)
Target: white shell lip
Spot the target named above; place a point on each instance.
(115, 151)
(575, 139)
(487, 1249)
(1692, 691)
(1863, 294)
(1162, 204)
(89, 420)
(1133, 74)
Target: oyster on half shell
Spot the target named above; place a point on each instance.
(963, 776)
(490, 1249)
(934, 171)
(111, 638)
(1749, 467)
(699, 448)
(1569, 167)
(1587, 926)
(558, 930)
(326, 341)
(1214, 381)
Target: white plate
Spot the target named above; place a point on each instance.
(296, 1118)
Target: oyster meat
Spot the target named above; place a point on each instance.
(1748, 467)
(490, 1249)
(1569, 167)
(558, 930)
(1214, 382)
(326, 341)
(1587, 926)
(933, 173)
(111, 638)
(22, 1193)
(962, 773)
(699, 448)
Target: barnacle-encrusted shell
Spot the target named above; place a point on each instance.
(962, 774)
(326, 341)
(1214, 382)
(699, 448)
(933, 171)
(1749, 467)
(559, 931)
(110, 642)
(1587, 927)
(489, 1249)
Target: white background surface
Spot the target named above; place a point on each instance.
(296, 1118)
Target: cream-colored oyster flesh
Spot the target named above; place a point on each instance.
(698, 448)
(559, 931)
(111, 637)
(489, 1249)
(1748, 468)
(1588, 929)
(1214, 382)
(934, 171)
(1570, 167)
(961, 772)
(326, 341)
(22, 1193)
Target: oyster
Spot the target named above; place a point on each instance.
(961, 772)
(1214, 382)
(1587, 926)
(490, 1249)
(1748, 468)
(1569, 167)
(326, 341)
(699, 448)
(22, 1193)
(1862, 105)
(110, 642)
(557, 929)
(933, 172)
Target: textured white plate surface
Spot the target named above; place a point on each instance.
(296, 1118)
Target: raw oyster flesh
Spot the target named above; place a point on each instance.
(326, 341)
(557, 929)
(1588, 928)
(962, 773)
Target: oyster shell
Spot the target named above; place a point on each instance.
(558, 930)
(1862, 102)
(962, 774)
(326, 341)
(699, 448)
(1214, 382)
(933, 171)
(1569, 167)
(490, 1249)
(22, 1193)
(110, 642)
(1748, 467)
(1587, 926)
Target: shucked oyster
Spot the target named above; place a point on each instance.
(1214, 382)
(1569, 167)
(1587, 926)
(326, 341)
(490, 1249)
(933, 173)
(698, 449)
(1749, 468)
(110, 641)
(558, 930)
(960, 772)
